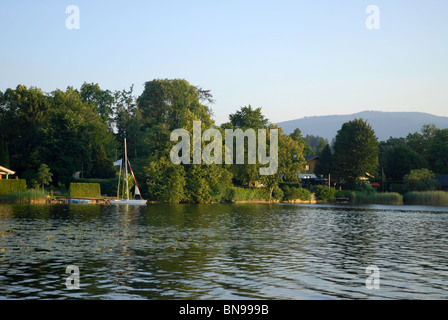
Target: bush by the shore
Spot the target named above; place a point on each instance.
(291, 193)
(246, 194)
(283, 192)
(324, 193)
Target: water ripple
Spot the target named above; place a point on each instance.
(242, 251)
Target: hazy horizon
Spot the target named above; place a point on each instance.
(292, 58)
(364, 111)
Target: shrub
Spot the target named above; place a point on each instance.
(277, 193)
(85, 190)
(423, 185)
(324, 193)
(246, 194)
(361, 185)
(12, 186)
(296, 193)
(421, 180)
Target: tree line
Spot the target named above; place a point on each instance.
(60, 133)
(82, 131)
(413, 160)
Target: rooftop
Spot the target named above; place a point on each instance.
(443, 179)
(6, 171)
(308, 158)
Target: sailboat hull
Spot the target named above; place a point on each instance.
(131, 202)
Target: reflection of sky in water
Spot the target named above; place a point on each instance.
(223, 251)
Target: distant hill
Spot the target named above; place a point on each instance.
(385, 124)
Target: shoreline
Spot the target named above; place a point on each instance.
(56, 201)
(106, 201)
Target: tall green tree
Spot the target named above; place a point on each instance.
(76, 138)
(384, 146)
(297, 136)
(316, 143)
(206, 183)
(399, 160)
(246, 118)
(129, 123)
(44, 176)
(173, 102)
(290, 160)
(420, 141)
(23, 115)
(325, 166)
(102, 166)
(167, 105)
(164, 106)
(438, 152)
(102, 99)
(165, 181)
(355, 150)
(4, 153)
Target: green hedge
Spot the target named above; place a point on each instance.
(108, 186)
(85, 190)
(12, 185)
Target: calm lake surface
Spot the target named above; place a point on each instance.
(234, 251)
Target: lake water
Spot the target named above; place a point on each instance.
(234, 251)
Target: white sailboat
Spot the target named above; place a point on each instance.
(137, 190)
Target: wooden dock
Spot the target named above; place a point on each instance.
(342, 200)
(79, 200)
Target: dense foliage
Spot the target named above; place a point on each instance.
(427, 149)
(49, 138)
(355, 151)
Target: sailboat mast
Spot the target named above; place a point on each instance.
(126, 168)
(119, 178)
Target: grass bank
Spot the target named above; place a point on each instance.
(362, 197)
(27, 196)
(391, 198)
(427, 198)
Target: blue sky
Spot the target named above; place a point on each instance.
(292, 58)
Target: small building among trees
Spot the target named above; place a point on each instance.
(310, 163)
(5, 172)
(443, 180)
(308, 176)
